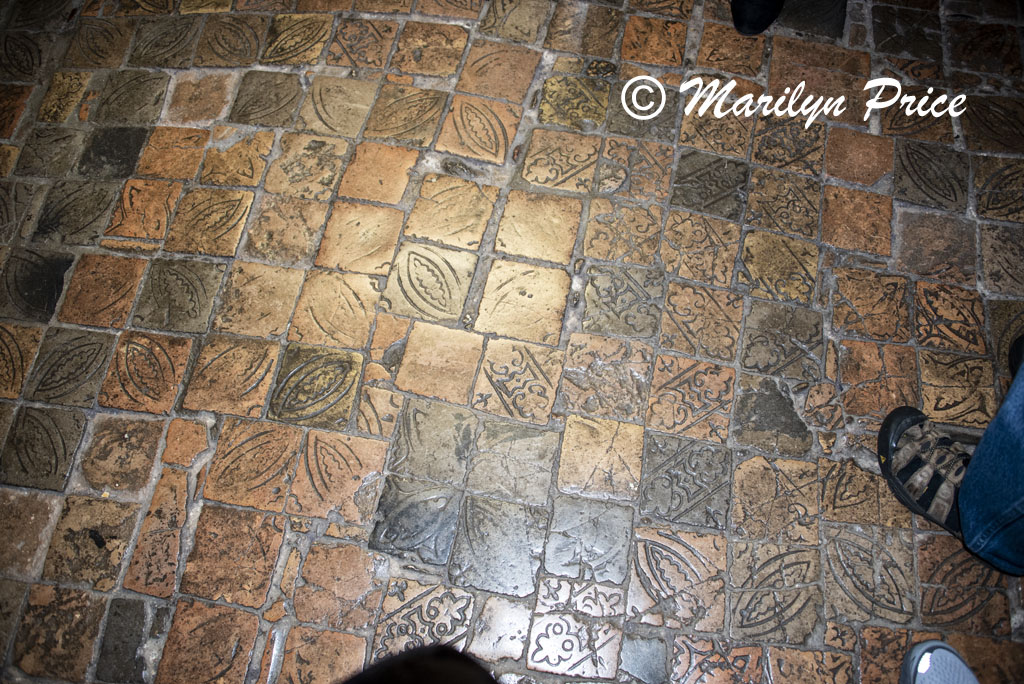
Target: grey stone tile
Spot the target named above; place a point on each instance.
(112, 153)
(123, 639)
(513, 462)
(40, 447)
(588, 540)
(416, 518)
(32, 284)
(710, 184)
(434, 441)
(685, 481)
(932, 175)
(623, 301)
(178, 295)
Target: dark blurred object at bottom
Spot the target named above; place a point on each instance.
(427, 665)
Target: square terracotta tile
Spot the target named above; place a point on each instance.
(1001, 257)
(233, 556)
(253, 463)
(858, 157)
(562, 161)
(308, 167)
(28, 519)
(232, 376)
(154, 563)
(63, 96)
(623, 300)
(285, 231)
(606, 377)
(69, 367)
(231, 634)
(316, 386)
(50, 151)
(693, 598)
(637, 170)
(957, 389)
(583, 29)
(778, 267)
(877, 378)
(13, 99)
(783, 340)
(236, 158)
(146, 372)
(932, 175)
(362, 43)
(700, 247)
(407, 114)
(58, 632)
(452, 211)
(173, 152)
(439, 362)
(296, 39)
(378, 410)
(430, 49)
(186, 439)
(165, 42)
(693, 657)
(994, 184)
(852, 219)
(209, 222)
(178, 295)
(979, 604)
(867, 304)
(360, 238)
(685, 481)
(798, 590)
(721, 49)
(433, 442)
(949, 317)
(701, 321)
(523, 301)
(73, 555)
(730, 135)
(266, 98)
(784, 202)
(19, 346)
(40, 447)
(776, 500)
(231, 40)
(786, 144)
(940, 246)
(498, 70)
(479, 128)
(342, 588)
(539, 226)
(378, 173)
(338, 473)
(710, 184)
(317, 657)
(654, 41)
(257, 300)
(144, 210)
(575, 102)
(600, 458)
(429, 282)
(519, 20)
(518, 380)
(335, 309)
(617, 231)
(337, 106)
(691, 398)
(198, 96)
(102, 290)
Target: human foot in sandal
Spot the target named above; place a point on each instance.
(923, 466)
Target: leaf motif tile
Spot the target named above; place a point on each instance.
(623, 301)
(783, 341)
(418, 614)
(69, 367)
(479, 128)
(145, 372)
(452, 211)
(40, 447)
(428, 282)
(296, 39)
(518, 380)
(435, 441)
(774, 592)
(178, 295)
(231, 40)
(416, 519)
(361, 43)
(316, 386)
(564, 161)
(405, 113)
(685, 481)
(877, 378)
(690, 398)
(869, 575)
(232, 375)
(932, 175)
(334, 309)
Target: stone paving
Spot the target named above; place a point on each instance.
(334, 327)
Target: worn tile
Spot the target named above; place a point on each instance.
(867, 304)
(231, 40)
(209, 221)
(957, 389)
(852, 219)
(588, 540)
(708, 183)
(582, 28)
(285, 230)
(178, 295)
(661, 127)
(429, 282)
(518, 380)
(542, 226)
(563, 644)
(112, 153)
(236, 158)
(231, 376)
(869, 574)
(19, 202)
(988, 123)
(786, 144)
(620, 231)
(949, 317)
(28, 519)
(142, 213)
(337, 106)
(334, 309)
(777, 267)
(316, 657)
(784, 202)
(75, 213)
(958, 592)
(199, 97)
(931, 175)
(434, 441)
(694, 658)
(900, 30)
(102, 290)
(13, 99)
(296, 39)
(877, 378)
(479, 128)
(721, 49)
(404, 113)
(600, 458)
(361, 43)
(623, 301)
(99, 43)
(338, 473)
(637, 170)
(257, 300)
(606, 377)
(501, 630)
(154, 563)
(40, 447)
(561, 161)
(1001, 258)
(783, 341)
(429, 49)
(996, 183)
(766, 418)
(790, 664)
(416, 519)
(535, 312)
(584, 597)
(451, 211)
(378, 172)
(123, 638)
(173, 152)
(690, 398)
(308, 166)
(409, 618)
(774, 592)
(89, 542)
(518, 20)
(858, 157)
(185, 440)
(167, 42)
(58, 632)
(574, 102)
(700, 247)
(1001, 53)
(121, 453)
(513, 463)
(700, 321)
(315, 386)
(231, 634)
(729, 136)
(18, 346)
(266, 98)
(378, 411)
(439, 362)
(938, 246)
(253, 464)
(131, 97)
(69, 367)
(498, 70)
(233, 555)
(654, 41)
(33, 283)
(50, 151)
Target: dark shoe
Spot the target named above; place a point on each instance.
(1016, 355)
(935, 662)
(923, 466)
(751, 17)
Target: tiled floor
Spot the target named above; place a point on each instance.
(331, 330)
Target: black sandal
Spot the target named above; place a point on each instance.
(923, 466)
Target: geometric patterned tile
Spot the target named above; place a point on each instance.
(691, 398)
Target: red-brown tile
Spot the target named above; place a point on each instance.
(102, 291)
(146, 372)
(232, 376)
(338, 473)
(228, 635)
(154, 562)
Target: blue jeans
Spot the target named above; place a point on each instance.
(992, 491)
